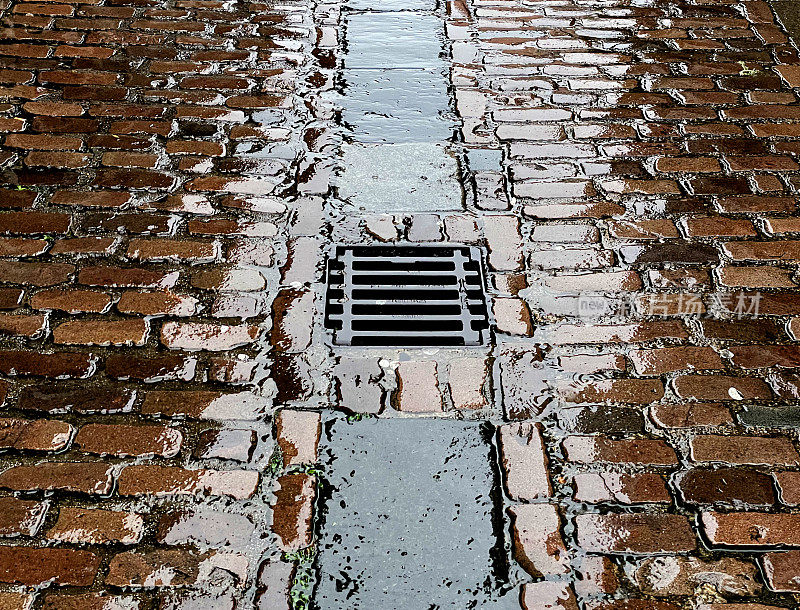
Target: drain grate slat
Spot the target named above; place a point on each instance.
(406, 296)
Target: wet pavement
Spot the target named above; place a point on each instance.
(180, 430)
(396, 107)
(411, 516)
(788, 13)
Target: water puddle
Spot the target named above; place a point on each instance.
(396, 109)
(409, 517)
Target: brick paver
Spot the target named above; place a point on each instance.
(169, 197)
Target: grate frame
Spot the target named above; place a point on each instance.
(406, 295)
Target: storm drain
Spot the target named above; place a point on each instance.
(406, 296)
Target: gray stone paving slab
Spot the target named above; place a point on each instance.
(408, 519)
(394, 40)
(397, 105)
(412, 177)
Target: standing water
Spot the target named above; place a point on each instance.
(396, 110)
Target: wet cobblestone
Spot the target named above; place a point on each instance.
(173, 175)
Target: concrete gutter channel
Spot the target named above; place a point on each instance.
(410, 508)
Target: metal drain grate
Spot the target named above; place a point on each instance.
(406, 296)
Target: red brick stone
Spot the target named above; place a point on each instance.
(292, 511)
(597, 576)
(643, 229)
(159, 568)
(157, 304)
(70, 160)
(729, 485)
(35, 274)
(103, 199)
(590, 449)
(635, 533)
(688, 164)
(165, 249)
(168, 480)
(292, 315)
(744, 450)
(56, 365)
(122, 441)
(418, 387)
(718, 387)
(42, 142)
(524, 461)
(226, 444)
(538, 546)
(205, 404)
(10, 298)
(565, 334)
(512, 316)
(763, 250)
(719, 226)
(505, 243)
(21, 325)
(101, 332)
(690, 415)
(467, 377)
(297, 434)
(664, 360)
(594, 488)
(789, 487)
(20, 517)
(193, 336)
(667, 576)
(38, 566)
(84, 245)
(167, 367)
(782, 571)
(21, 246)
(274, 584)
(71, 301)
(119, 277)
(634, 391)
(554, 595)
(756, 277)
(37, 435)
(751, 529)
(89, 526)
(81, 477)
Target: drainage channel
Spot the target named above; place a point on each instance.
(410, 513)
(397, 154)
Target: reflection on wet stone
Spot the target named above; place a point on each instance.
(408, 523)
(409, 177)
(357, 388)
(524, 382)
(396, 108)
(292, 376)
(394, 40)
(603, 419)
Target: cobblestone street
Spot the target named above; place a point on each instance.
(204, 410)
